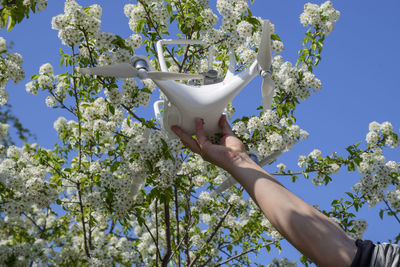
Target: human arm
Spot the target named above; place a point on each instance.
(311, 232)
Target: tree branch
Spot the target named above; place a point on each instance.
(390, 209)
(212, 234)
(241, 254)
(177, 221)
(156, 207)
(78, 113)
(154, 240)
(167, 235)
(153, 25)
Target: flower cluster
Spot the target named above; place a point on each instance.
(79, 24)
(321, 17)
(231, 11)
(38, 4)
(295, 80)
(359, 227)
(75, 20)
(25, 181)
(134, 41)
(267, 133)
(131, 94)
(10, 69)
(314, 162)
(209, 17)
(284, 262)
(4, 127)
(393, 198)
(235, 32)
(155, 10)
(377, 176)
(382, 133)
(21, 253)
(47, 80)
(377, 173)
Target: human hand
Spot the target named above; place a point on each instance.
(227, 154)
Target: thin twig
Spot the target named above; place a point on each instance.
(177, 221)
(390, 209)
(156, 208)
(241, 254)
(78, 113)
(154, 240)
(156, 28)
(218, 226)
(167, 235)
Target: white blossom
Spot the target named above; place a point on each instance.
(322, 17)
(315, 154)
(3, 44)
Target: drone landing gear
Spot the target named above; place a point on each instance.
(169, 117)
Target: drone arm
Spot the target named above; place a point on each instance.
(254, 68)
(157, 111)
(232, 64)
(161, 59)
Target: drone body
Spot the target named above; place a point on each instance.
(184, 102)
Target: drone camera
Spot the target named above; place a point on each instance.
(211, 77)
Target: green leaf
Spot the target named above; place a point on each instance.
(169, 8)
(381, 212)
(11, 23)
(275, 37)
(34, 77)
(254, 21)
(111, 109)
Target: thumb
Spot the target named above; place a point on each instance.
(224, 125)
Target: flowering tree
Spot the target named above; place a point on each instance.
(116, 190)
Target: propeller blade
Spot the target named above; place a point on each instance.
(264, 57)
(267, 91)
(160, 75)
(120, 70)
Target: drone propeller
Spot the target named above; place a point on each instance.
(126, 70)
(264, 60)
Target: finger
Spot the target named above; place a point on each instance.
(224, 125)
(186, 139)
(201, 137)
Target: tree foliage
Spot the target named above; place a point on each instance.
(116, 190)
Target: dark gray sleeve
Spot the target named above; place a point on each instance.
(364, 253)
(385, 255)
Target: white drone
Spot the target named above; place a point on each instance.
(186, 102)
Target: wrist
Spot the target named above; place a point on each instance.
(242, 160)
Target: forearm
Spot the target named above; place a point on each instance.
(311, 232)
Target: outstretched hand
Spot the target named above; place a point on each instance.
(226, 154)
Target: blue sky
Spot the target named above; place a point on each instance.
(359, 73)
